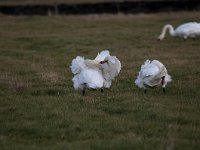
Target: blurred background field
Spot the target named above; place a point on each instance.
(85, 7)
(65, 1)
(39, 108)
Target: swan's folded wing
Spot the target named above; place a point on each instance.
(194, 29)
(149, 70)
(92, 78)
(189, 28)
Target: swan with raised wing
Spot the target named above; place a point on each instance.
(95, 74)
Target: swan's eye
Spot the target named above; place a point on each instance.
(102, 62)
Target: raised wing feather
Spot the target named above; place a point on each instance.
(102, 55)
(77, 65)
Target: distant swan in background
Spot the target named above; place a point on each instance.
(95, 74)
(152, 74)
(187, 30)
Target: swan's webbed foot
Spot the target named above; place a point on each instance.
(101, 90)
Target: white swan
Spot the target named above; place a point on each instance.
(152, 74)
(95, 74)
(187, 30)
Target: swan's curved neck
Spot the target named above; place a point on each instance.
(171, 30)
(92, 64)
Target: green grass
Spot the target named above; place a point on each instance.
(39, 108)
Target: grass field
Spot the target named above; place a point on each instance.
(39, 108)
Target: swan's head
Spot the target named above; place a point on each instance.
(105, 61)
(160, 38)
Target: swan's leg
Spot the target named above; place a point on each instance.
(84, 88)
(145, 91)
(83, 92)
(164, 90)
(101, 90)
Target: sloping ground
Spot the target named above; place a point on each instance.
(99, 8)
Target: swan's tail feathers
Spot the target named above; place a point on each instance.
(139, 81)
(107, 84)
(168, 78)
(77, 65)
(147, 62)
(101, 56)
(76, 83)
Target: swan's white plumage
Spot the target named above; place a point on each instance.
(151, 73)
(102, 55)
(87, 74)
(77, 65)
(88, 78)
(187, 30)
(148, 69)
(110, 69)
(93, 74)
